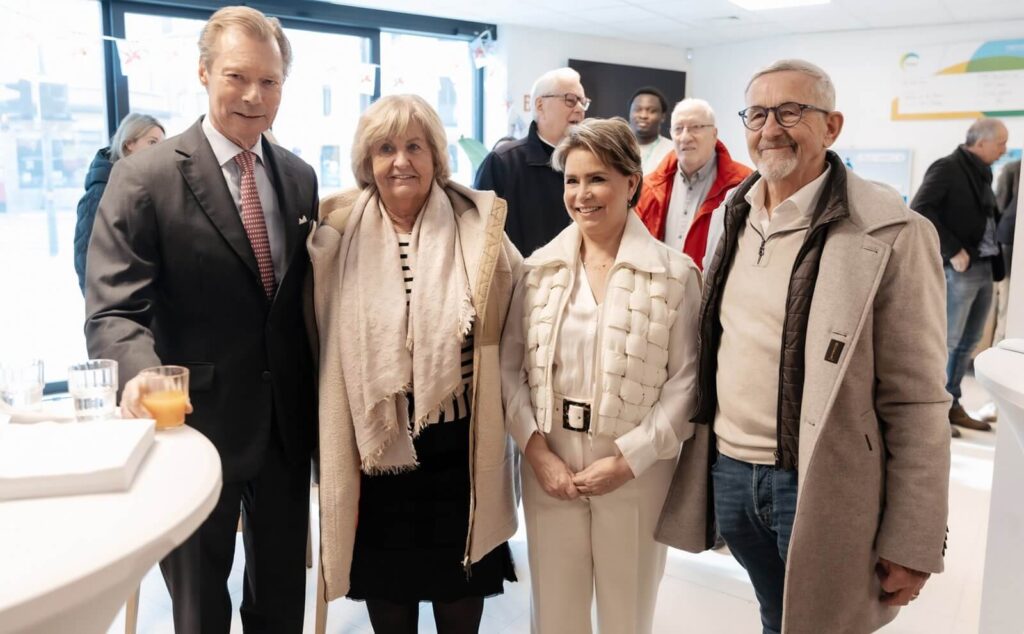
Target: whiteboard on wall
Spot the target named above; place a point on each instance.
(891, 167)
(966, 80)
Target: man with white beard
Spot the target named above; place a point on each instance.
(821, 370)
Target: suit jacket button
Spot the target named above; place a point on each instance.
(266, 376)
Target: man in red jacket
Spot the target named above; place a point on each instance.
(680, 194)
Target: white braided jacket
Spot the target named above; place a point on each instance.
(644, 382)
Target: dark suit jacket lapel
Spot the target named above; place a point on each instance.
(200, 169)
(287, 189)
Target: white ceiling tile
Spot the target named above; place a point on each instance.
(980, 10)
(683, 38)
(620, 14)
(691, 10)
(579, 7)
(693, 23)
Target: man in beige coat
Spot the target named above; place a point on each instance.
(821, 372)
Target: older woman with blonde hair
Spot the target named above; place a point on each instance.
(599, 362)
(412, 280)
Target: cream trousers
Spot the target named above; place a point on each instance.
(604, 543)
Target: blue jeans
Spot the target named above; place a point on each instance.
(754, 507)
(968, 298)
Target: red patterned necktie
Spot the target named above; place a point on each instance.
(252, 220)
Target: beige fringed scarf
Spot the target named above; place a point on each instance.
(388, 353)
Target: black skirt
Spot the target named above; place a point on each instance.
(411, 534)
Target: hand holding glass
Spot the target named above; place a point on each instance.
(165, 394)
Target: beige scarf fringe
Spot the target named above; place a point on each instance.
(388, 353)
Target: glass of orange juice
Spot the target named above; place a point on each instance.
(165, 394)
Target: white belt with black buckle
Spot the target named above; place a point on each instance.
(575, 416)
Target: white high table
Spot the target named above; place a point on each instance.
(68, 564)
(1001, 371)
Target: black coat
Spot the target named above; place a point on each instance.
(1007, 193)
(956, 195)
(95, 182)
(521, 173)
(172, 279)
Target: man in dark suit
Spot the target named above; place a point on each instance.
(956, 195)
(198, 259)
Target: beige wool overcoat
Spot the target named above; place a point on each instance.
(492, 265)
(874, 432)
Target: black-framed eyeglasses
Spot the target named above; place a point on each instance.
(787, 114)
(570, 100)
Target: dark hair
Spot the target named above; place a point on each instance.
(649, 90)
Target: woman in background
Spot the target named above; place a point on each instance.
(137, 131)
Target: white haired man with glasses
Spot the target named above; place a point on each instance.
(821, 371)
(681, 194)
(521, 172)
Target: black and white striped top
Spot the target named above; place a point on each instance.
(458, 407)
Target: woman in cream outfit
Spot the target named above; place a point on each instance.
(412, 280)
(598, 369)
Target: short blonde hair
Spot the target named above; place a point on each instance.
(133, 127)
(610, 140)
(393, 115)
(250, 21)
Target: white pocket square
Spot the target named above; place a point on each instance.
(303, 220)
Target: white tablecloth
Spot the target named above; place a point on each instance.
(67, 564)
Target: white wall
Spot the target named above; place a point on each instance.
(864, 67)
(525, 53)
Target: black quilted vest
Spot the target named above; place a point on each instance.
(832, 207)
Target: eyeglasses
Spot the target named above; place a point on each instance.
(694, 129)
(787, 114)
(570, 100)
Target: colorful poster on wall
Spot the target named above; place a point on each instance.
(961, 81)
(890, 167)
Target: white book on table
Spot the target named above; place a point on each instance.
(50, 459)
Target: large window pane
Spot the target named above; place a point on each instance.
(322, 103)
(160, 58)
(319, 109)
(52, 122)
(439, 70)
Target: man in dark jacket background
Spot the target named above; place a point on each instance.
(521, 173)
(1007, 193)
(957, 197)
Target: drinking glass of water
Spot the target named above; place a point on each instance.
(93, 388)
(21, 384)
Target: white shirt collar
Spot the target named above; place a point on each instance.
(545, 141)
(223, 148)
(791, 212)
